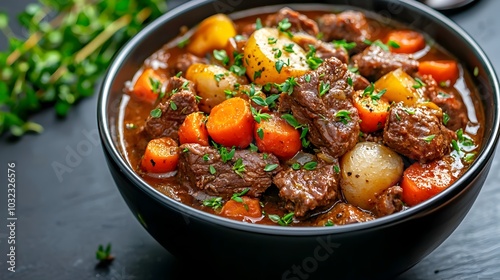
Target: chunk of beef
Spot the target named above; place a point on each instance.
(447, 99)
(359, 82)
(323, 50)
(185, 60)
(349, 25)
(320, 102)
(178, 102)
(417, 132)
(299, 22)
(389, 201)
(374, 62)
(194, 171)
(343, 214)
(306, 190)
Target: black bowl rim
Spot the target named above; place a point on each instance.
(189, 212)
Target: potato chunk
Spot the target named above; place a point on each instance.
(367, 170)
(272, 57)
(210, 83)
(211, 34)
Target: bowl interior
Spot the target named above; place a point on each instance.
(415, 15)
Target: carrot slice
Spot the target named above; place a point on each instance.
(161, 155)
(443, 71)
(231, 123)
(423, 181)
(249, 207)
(148, 85)
(278, 137)
(409, 41)
(193, 129)
(372, 112)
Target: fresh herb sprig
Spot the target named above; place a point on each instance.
(69, 46)
(103, 254)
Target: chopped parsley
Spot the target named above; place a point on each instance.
(155, 113)
(279, 64)
(258, 24)
(218, 77)
(260, 133)
(429, 138)
(272, 40)
(214, 202)
(237, 196)
(221, 56)
(284, 24)
(312, 60)
(344, 44)
(288, 85)
(323, 88)
(257, 74)
(446, 118)
(173, 106)
(212, 170)
(239, 167)
(270, 167)
(419, 83)
(259, 116)
(155, 85)
(183, 42)
(343, 116)
(393, 44)
(286, 220)
(289, 48)
(329, 223)
(310, 165)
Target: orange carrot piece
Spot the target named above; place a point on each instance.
(423, 181)
(148, 86)
(373, 113)
(231, 123)
(193, 129)
(250, 207)
(443, 71)
(409, 41)
(278, 137)
(161, 156)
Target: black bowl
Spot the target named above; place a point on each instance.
(377, 249)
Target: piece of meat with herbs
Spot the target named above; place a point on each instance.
(389, 201)
(350, 26)
(343, 214)
(359, 82)
(324, 50)
(178, 102)
(223, 172)
(374, 62)
(418, 132)
(447, 99)
(321, 101)
(306, 190)
(183, 61)
(298, 22)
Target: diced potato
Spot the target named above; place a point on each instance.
(367, 170)
(267, 61)
(210, 83)
(399, 86)
(211, 34)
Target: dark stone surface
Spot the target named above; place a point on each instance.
(62, 220)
